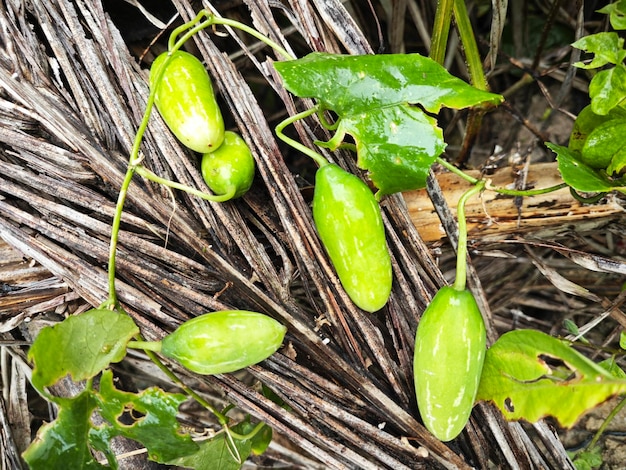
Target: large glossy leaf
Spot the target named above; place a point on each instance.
(529, 375)
(81, 346)
(606, 143)
(150, 419)
(63, 443)
(375, 98)
(580, 176)
(585, 123)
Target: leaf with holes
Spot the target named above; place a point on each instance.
(148, 417)
(529, 375)
(63, 443)
(384, 102)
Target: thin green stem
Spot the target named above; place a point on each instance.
(586, 200)
(319, 159)
(441, 30)
(606, 422)
(507, 192)
(154, 358)
(175, 44)
(527, 192)
(250, 435)
(461, 251)
(112, 301)
(143, 171)
(450, 167)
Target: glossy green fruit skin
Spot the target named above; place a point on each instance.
(224, 341)
(230, 166)
(349, 223)
(185, 100)
(450, 347)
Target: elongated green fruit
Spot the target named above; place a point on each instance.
(230, 168)
(184, 97)
(224, 341)
(350, 226)
(450, 347)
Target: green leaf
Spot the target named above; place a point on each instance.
(372, 96)
(81, 346)
(64, 442)
(397, 145)
(586, 122)
(216, 454)
(612, 368)
(608, 48)
(622, 340)
(606, 146)
(617, 13)
(529, 375)
(608, 89)
(153, 420)
(587, 459)
(580, 176)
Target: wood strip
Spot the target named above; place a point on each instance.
(494, 217)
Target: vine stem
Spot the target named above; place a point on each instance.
(461, 252)
(606, 422)
(143, 171)
(507, 192)
(211, 19)
(154, 358)
(319, 159)
(135, 158)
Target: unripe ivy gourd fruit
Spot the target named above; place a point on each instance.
(185, 99)
(230, 168)
(224, 341)
(350, 226)
(450, 347)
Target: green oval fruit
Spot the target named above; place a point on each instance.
(350, 225)
(450, 347)
(230, 168)
(225, 341)
(184, 97)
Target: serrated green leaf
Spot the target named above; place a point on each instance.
(63, 443)
(154, 420)
(608, 48)
(372, 97)
(81, 346)
(608, 89)
(580, 176)
(529, 375)
(215, 454)
(617, 13)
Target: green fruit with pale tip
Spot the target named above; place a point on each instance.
(230, 168)
(450, 347)
(224, 341)
(185, 99)
(350, 226)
